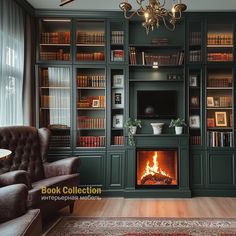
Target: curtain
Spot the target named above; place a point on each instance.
(11, 63)
(59, 96)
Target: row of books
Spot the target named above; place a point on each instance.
(117, 55)
(195, 38)
(90, 37)
(195, 55)
(55, 38)
(91, 123)
(220, 39)
(60, 141)
(118, 140)
(160, 41)
(57, 101)
(220, 82)
(95, 56)
(195, 140)
(117, 37)
(91, 101)
(227, 56)
(219, 139)
(61, 55)
(91, 141)
(224, 101)
(96, 81)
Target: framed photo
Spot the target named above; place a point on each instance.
(194, 101)
(118, 81)
(210, 102)
(210, 122)
(96, 103)
(117, 121)
(217, 102)
(221, 118)
(193, 81)
(194, 121)
(118, 98)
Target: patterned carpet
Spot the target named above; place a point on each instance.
(78, 226)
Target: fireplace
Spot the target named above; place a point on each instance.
(157, 168)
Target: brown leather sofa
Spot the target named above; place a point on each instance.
(15, 220)
(28, 164)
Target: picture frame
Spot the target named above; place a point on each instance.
(210, 122)
(217, 102)
(193, 81)
(117, 121)
(210, 102)
(221, 118)
(194, 101)
(194, 121)
(118, 81)
(118, 98)
(96, 103)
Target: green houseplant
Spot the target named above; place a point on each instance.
(131, 124)
(178, 124)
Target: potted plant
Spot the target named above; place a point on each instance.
(178, 124)
(132, 124)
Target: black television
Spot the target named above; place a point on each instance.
(152, 104)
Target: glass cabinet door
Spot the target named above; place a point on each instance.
(55, 94)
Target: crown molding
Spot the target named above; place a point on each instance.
(26, 6)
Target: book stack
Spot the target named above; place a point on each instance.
(60, 55)
(195, 38)
(117, 55)
(87, 102)
(44, 78)
(50, 101)
(226, 101)
(220, 39)
(132, 56)
(96, 56)
(195, 55)
(117, 37)
(220, 82)
(55, 38)
(90, 37)
(227, 56)
(95, 81)
(219, 139)
(92, 141)
(195, 140)
(160, 41)
(60, 141)
(118, 140)
(86, 122)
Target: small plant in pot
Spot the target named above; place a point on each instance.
(178, 124)
(132, 124)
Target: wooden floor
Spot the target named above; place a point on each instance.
(193, 207)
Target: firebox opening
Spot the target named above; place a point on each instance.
(157, 168)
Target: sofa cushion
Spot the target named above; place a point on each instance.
(34, 197)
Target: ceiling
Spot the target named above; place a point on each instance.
(113, 5)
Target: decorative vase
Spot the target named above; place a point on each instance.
(178, 130)
(133, 130)
(157, 127)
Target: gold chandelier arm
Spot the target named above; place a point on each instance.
(167, 26)
(163, 4)
(130, 16)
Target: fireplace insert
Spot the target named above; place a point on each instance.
(157, 168)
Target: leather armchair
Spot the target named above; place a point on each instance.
(15, 219)
(28, 164)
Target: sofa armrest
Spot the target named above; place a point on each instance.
(13, 200)
(15, 177)
(62, 167)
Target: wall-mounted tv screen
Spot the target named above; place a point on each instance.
(153, 104)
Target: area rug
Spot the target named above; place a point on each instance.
(96, 226)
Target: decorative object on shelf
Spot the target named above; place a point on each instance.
(154, 13)
(132, 125)
(210, 122)
(178, 124)
(210, 102)
(118, 81)
(117, 98)
(157, 127)
(221, 119)
(117, 121)
(64, 2)
(193, 80)
(194, 121)
(194, 101)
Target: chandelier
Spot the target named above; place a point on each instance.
(154, 13)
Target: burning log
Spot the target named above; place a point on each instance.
(157, 177)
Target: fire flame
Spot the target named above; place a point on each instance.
(154, 169)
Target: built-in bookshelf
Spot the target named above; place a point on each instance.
(91, 107)
(90, 41)
(55, 40)
(54, 103)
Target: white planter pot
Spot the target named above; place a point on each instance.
(133, 130)
(178, 130)
(157, 127)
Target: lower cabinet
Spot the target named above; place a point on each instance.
(115, 170)
(92, 169)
